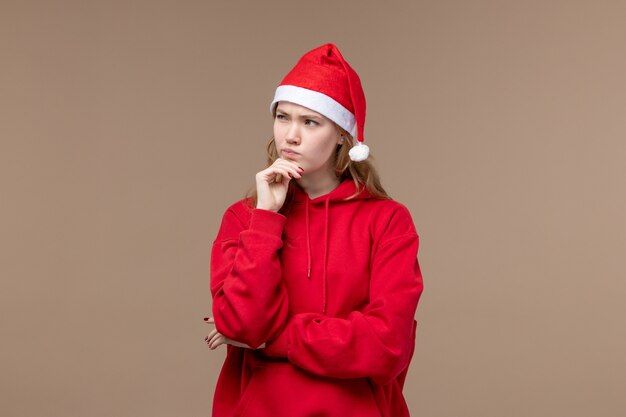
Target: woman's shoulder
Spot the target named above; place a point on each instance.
(389, 207)
(390, 218)
(235, 217)
(241, 209)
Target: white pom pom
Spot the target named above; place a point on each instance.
(359, 152)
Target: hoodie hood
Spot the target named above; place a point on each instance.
(344, 190)
(340, 195)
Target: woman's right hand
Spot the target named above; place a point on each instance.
(272, 183)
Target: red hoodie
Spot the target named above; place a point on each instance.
(331, 287)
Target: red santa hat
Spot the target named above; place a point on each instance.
(324, 82)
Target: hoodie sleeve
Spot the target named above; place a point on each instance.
(250, 301)
(377, 342)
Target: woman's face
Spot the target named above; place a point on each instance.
(313, 136)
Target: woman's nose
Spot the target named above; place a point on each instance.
(293, 134)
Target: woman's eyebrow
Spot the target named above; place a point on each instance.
(310, 116)
(303, 116)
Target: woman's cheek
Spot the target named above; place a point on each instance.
(279, 131)
(277, 134)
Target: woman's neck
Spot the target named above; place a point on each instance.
(317, 184)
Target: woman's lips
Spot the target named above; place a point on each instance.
(290, 153)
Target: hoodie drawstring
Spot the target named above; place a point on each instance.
(308, 247)
(346, 190)
(308, 241)
(325, 256)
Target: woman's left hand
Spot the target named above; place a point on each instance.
(215, 338)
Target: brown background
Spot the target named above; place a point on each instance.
(128, 127)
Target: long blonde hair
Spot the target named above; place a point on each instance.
(363, 173)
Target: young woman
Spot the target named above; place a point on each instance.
(314, 277)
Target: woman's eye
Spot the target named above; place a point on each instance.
(280, 116)
(314, 123)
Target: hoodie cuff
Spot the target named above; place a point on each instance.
(278, 347)
(267, 221)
